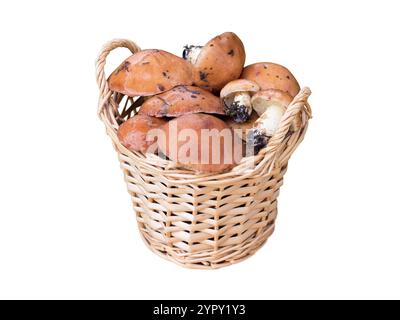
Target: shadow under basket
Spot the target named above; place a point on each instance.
(203, 221)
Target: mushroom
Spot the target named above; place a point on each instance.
(272, 76)
(253, 138)
(270, 105)
(133, 133)
(218, 62)
(182, 100)
(236, 96)
(150, 72)
(200, 142)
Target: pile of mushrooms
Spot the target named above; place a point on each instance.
(208, 88)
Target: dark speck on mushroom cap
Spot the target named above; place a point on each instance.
(123, 67)
(186, 89)
(203, 76)
(126, 65)
(164, 108)
(231, 53)
(160, 87)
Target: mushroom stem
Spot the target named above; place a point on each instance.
(243, 99)
(255, 140)
(191, 53)
(270, 119)
(239, 106)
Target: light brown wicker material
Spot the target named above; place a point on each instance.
(201, 220)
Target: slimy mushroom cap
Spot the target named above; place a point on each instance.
(239, 85)
(133, 132)
(272, 76)
(150, 72)
(185, 143)
(182, 100)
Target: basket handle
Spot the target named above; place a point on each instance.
(100, 63)
(298, 104)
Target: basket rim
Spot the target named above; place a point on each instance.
(252, 166)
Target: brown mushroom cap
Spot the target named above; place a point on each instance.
(272, 76)
(242, 128)
(133, 132)
(192, 152)
(268, 97)
(149, 72)
(221, 60)
(182, 100)
(239, 85)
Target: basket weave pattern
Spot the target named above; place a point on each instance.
(201, 220)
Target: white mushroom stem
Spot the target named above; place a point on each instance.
(243, 99)
(270, 119)
(193, 54)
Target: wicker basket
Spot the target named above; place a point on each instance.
(201, 220)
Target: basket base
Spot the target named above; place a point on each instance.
(207, 261)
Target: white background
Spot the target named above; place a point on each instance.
(67, 229)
